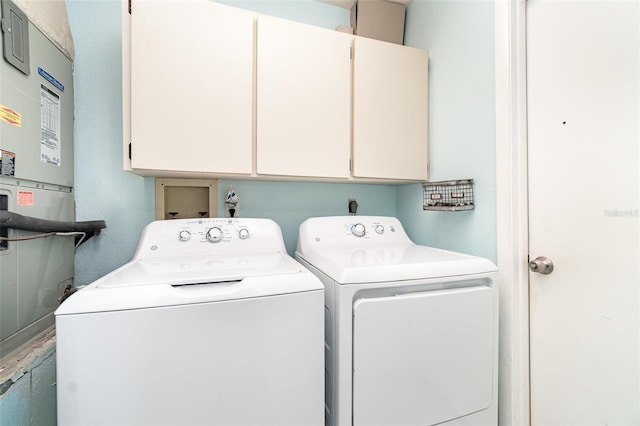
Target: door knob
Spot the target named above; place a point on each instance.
(542, 265)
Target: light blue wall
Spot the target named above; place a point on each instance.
(126, 201)
(289, 204)
(460, 37)
(102, 189)
(29, 396)
(307, 11)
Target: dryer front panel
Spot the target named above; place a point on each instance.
(423, 358)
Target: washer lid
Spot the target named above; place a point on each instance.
(397, 262)
(184, 270)
(180, 280)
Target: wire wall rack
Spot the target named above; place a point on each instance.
(448, 195)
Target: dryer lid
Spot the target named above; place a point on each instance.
(373, 249)
(397, 262)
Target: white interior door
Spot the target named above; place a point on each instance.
(583, 94)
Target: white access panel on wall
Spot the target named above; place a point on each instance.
(438, 348)
(191, 87)
(390, 110)
(303, 100)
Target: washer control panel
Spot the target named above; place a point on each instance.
(200, 236)
(214, 230)
(184, 235)
(214, 235)
(243, 233)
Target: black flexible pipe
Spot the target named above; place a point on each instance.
(27, 223)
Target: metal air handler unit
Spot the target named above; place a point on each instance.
(36, 180)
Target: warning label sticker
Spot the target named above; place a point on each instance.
(10, 116)
(25, 198)
(7, 163)
(49, 126)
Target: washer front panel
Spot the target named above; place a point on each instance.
(241, 362)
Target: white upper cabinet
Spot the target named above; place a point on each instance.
(303, 100)
(191, 87)
(390, 116)
(214, 90)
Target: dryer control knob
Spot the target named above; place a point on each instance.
(358, 230)
(380, 229)
(214, 235)
(184, 235)
(243, 233)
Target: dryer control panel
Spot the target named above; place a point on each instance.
(353, 230)
(206, 235)
(360, 229)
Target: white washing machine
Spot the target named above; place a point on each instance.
(411, 332)
(211, 323)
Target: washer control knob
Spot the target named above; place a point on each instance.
(379, 229)
(214, 235)
(184, 235)
(358, 230)
(243, 233)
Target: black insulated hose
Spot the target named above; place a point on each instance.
(26, 223)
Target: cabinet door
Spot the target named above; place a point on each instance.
(390, 102)
(191, 86)
(303, 100)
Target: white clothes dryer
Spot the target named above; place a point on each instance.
(210, 323)
(411, 332)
